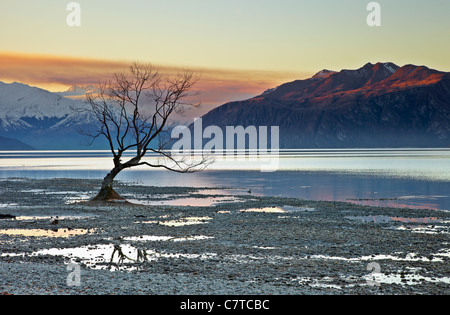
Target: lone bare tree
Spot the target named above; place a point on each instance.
(133, 111)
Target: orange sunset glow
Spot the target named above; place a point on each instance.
(240, 48)
(59, 73)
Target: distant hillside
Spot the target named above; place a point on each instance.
(381, 105)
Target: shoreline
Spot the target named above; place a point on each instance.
(238, 244)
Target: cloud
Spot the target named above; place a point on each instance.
(43, 69)
(215, 87)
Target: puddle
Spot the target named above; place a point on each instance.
(96, 256)
(297, 209)
(33, 191)
(187, 202)
(265, 210)
(418, 225)
(322, 283)
(52, 192)
(409, 277)
(425, 229)
(70, 196)
(408, 257)
(283, 209)
(186, 221)
(78, 198)
(388, 219)
(43, 217)
(34, 219)
(8, 205)
(153, 238)
(55, 233)
(264, 247)
(112, 257)
(228, 192)
(402, 202)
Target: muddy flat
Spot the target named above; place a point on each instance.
(178, 240)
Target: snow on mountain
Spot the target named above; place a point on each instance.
(18, 100)
(50, 121)
(269, 91)
(323, 74)
(43, 119)
(8, 123)
(392, 68)
(19, 103)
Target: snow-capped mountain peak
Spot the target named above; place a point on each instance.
(19, 100)
(43, 119)
(392, 68)
(323, 74)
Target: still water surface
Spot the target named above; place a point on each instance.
(417, 178)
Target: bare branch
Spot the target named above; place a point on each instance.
(133, 111)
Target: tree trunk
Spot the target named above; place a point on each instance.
(107, 192)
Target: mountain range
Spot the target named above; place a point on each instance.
(31, 117)
(377, 105)
(35, 118)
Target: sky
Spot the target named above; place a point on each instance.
(240, 47)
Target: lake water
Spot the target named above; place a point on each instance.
(415, 178)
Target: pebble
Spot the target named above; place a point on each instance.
(312, 252)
